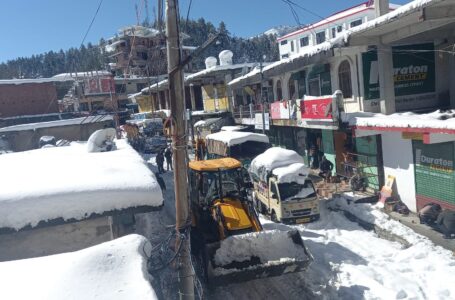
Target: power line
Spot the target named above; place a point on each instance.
(91, 23)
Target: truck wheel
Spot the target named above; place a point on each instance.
(273, 217)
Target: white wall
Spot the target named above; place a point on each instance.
(398, 162)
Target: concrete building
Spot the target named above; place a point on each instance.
(140, 51)
(301, 40)
(397, 62)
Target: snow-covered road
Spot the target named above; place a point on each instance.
(349, 262)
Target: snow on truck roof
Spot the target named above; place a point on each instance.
(113, 270)
(71, 183)
(231, 138)
(274, 158)
(296, 172)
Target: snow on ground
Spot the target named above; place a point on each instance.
(69, 182)
(231, 138)
(112, 270)
(378, 268)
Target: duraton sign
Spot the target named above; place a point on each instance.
(434, 171)
(413, 74)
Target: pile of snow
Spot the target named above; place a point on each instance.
(358, 264)
(200, 123)
(268, 246)
(230, 138)
(273, 158)
(296, 172)
(438, 120)
(112, 270)
(71, 183)
(102, 140)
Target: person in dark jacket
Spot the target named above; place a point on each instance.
(168, 155)
(446, 223)
(160, 161)
(429, 213)
(326, 168)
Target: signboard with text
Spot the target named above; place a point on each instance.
(258, 123)
(413, 75)
(283, 110)
(320, 109)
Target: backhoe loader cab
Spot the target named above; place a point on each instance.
(223, 219)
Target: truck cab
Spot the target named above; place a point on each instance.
(287, 202)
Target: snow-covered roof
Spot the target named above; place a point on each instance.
(442, 120)
(233, 128)
(113, 270)
(273, 158)
(71, 183)
(218, 68)
(231, 138)
(58, 123)
(83, 74)
(296, 172)
(35, 80)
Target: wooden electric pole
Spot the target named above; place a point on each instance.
(177, 103)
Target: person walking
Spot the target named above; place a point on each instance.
(326, 168)
(159, 162)
(168, 155)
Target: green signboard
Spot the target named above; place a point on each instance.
(413, 71)
(434, 170)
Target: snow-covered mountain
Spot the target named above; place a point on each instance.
(281, 30)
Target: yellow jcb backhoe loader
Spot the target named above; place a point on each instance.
(227, 238)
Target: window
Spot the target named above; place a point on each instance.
(320, 37)
(356, 23)
(120, 88)
(339, 28)
(284, 42)
(344, 78)
(304, 41)
(292, 46)
(334, 32)
(314, 87)
(279, 90)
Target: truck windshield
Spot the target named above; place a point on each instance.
(293, 190)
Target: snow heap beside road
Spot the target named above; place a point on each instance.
(112, 270)
(71, 183)
(296, 172)
(269, 246)
(231, 138)
(272, 158)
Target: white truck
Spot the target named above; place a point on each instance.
(282, 188)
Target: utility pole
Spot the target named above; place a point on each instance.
(262, 96)
(177, 101)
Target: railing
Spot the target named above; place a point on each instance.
(249, 111)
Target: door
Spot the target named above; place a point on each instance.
(340, 139)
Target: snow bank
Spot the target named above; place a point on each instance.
(112, 270)
(69, 182)
(199, 123)
(272, 158)
(233, 128)
(231, 138)
(296, 172)
(438, 119)
(268, 246)
(67, 122)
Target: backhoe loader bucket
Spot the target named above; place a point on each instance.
(255, 255)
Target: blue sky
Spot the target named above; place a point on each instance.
(35, 26)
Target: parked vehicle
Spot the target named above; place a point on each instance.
(155, 144)
(282, 188)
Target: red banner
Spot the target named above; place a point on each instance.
(99, 85)
(275, 110)
(316, 109)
